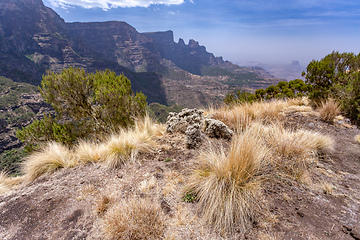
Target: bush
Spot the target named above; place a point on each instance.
(85, 103)
(336, 76)
(283, 90)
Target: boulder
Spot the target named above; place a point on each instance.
(179, 122)
(217, 129)
(194, 137)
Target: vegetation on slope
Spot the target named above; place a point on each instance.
(10, 97)
(86, 105)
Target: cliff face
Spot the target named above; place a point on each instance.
(191, 57)
(33, 39)
(119, 42)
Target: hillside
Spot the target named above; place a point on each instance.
(20, 104)
(304, 184)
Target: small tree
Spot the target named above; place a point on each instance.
(86, 104)
(336, 76)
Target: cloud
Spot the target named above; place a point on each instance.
(108, 4)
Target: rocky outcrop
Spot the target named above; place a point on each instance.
(217, 129)
(192, 123)
(179, 122)
(194, 136)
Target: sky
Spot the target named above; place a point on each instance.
(241, 31)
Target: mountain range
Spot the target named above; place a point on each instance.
(34, 39)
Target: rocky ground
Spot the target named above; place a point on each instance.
(65, 205)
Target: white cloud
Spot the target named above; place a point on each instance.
(107, 4)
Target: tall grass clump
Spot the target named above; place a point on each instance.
(292, 150)
(227, 184)
(239, 117)
(135, 219)
(124, 146)
(87, 152)
(52, 157)
(329, 110)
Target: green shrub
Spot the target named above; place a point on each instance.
(86, 104)
(291, 89)
(10, 160)
(336, 76)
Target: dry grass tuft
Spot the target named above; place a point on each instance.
(87, 152)
(135, 219)
(147, 185)
(239, 117)
(124, 146)
(4, 187)
(103, 203)
(329, 110)
(52, 157)
(292, 150)
(327, 188)
(227, 184)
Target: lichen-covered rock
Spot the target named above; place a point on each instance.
(179, 122)
(194, 136)
(217, 129)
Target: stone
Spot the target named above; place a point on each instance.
(179, 122)
(217, 129)
(194, 137)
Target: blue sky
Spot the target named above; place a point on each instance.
(242, 31)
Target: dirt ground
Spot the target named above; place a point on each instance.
(63, 205)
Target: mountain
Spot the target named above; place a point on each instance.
(35, 39)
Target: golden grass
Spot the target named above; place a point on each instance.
(87, 152)
(327, 188)
(135, 219)
(239, 117)
(114, 152)
(4, 187)
(292, 150)
(329, 110)
(227, 184)
(52, 157)
(124, 146)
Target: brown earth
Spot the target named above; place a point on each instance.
(63, 205)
